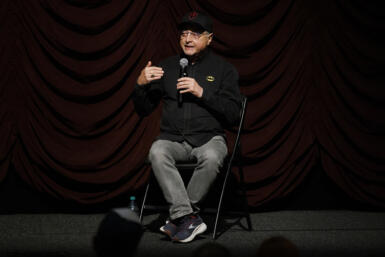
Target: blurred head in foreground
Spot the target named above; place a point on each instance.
(277, 246)
(118, 234)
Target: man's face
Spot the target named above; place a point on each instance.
(193, 42)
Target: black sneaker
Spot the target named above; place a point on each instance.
(169, 229)
(190, 227)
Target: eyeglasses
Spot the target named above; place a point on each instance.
(193, 35)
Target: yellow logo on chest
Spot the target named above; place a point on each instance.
(210, 78)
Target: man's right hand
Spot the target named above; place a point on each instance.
(149, 73)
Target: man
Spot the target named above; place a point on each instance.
(196, 108)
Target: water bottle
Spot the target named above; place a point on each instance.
(133, 206)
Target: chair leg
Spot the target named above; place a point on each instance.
(220, 202)
(245, 204)
(144, 202)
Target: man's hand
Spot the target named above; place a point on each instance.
(149, 73)
(189, 85)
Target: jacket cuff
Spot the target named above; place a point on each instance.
(206, 96)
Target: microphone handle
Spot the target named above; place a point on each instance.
(180, 96)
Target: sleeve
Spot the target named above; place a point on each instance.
(225, 103)
(147, 97)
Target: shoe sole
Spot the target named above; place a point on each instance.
(197, 231)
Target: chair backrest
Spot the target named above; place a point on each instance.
(237, 144)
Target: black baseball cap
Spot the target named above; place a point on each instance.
(198, 20)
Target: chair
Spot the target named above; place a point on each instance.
(232, 160)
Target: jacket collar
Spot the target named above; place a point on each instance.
(197, 58)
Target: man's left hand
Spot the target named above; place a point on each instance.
(189, 85)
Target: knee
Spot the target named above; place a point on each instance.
(212, 159)
(158, 154)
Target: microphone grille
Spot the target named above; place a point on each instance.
(183, 62)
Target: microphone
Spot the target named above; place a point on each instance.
(183, 73)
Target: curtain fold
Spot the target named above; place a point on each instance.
(350, 84)
(8, 92)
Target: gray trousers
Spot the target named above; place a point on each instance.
(210, 156)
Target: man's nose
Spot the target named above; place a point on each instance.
(188, 38)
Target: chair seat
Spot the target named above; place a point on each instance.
(186, 165)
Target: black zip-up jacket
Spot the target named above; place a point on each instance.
(197, 120)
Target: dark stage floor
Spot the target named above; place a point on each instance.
(316, 233)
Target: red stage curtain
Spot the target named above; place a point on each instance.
(313, 72)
